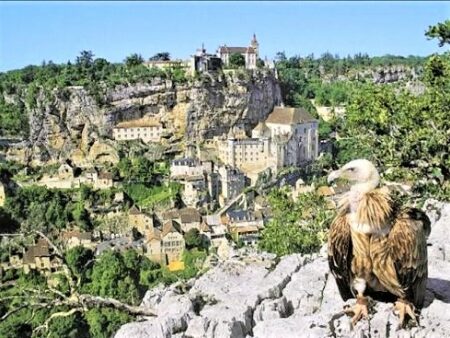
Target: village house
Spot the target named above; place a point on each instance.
(38, 257)
(104, 181)
(246, 224)
(65, 179)
(217, 233)
(73, 238)
(250, 53)
(189, 167)
(153, 246)
(288, 137)
(2, 194)
(188, 218)
(200, 183)
(146, 129)
(142, 222)
(172, 241)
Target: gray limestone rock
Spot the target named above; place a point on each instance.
(298, 297)
(196, 110)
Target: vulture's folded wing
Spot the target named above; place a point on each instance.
(340, 254)
(408, 249)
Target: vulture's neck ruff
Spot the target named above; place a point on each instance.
(367, 207)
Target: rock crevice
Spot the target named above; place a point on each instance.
(247, 297)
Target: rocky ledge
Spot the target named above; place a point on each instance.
(252, 295)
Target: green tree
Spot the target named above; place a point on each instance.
(78, 259)
(133, 60)
(161, 56)
(193, 239)
(73, 326)
(236, 60)
(440, 31)
(85, 59)
(104, 323)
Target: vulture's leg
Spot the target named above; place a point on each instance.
(360, 309)
(403, 308)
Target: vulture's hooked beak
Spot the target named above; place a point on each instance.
(333, 176)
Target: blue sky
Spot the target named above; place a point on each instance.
(34, 31)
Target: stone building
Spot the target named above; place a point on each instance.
(76, 238)
(184, 167)
(232, 182)
(188, 218)
(142, 222)
(246, 224)
(250, 53)
(153, 246)
(146, 129)
(38, 257)
(200, 183)
(172, 241)
(288, 137)
(104, 181)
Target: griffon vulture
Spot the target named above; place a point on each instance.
(375, 247)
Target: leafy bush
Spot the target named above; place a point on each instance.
(296, 227)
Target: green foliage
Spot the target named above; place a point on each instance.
(405, 135)
(161, 56)
(236, 60)
(136, 169)
(78, 259)
(39, 208)
(296, 227)
(133, 60)
(103, 323)
(333, 94)
(440, 31)
(150, 196)
(118, 275)
(13, 119)
(81, 216)
(194, 239)
(305, 78)
(73, 326)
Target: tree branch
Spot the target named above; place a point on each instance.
(89, 301)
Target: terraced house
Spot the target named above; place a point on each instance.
(146, 129)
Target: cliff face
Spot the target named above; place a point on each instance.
(254, 296)
(67, 124)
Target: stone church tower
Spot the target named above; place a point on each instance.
(255, 44)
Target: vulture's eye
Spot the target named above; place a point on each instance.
(351, 169)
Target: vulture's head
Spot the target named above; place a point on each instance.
(360, 173)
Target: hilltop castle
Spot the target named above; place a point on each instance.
(250, 53)
(288, 137)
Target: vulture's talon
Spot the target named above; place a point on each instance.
(358, 311)
(405, 309)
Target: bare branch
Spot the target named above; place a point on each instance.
(57, 315)
(90, 301)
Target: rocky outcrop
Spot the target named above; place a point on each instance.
(70, 120)
(251, 295)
